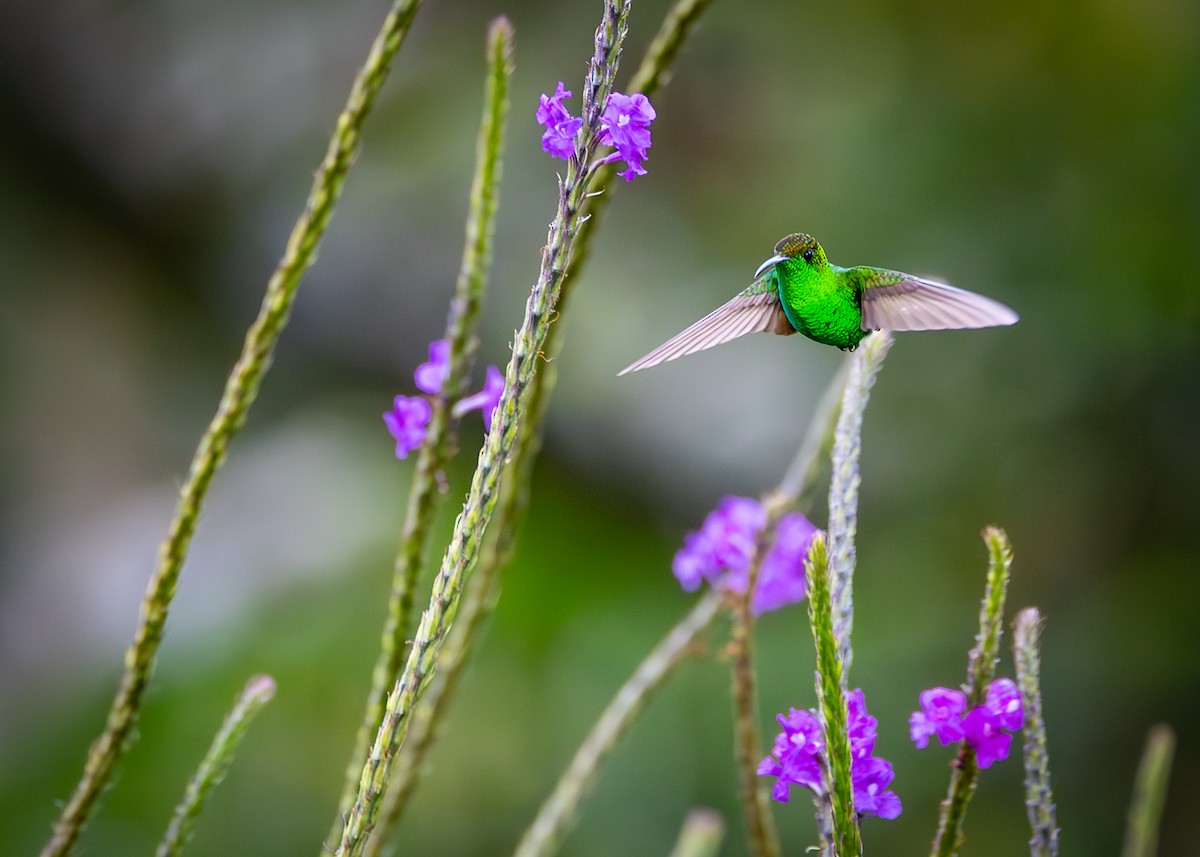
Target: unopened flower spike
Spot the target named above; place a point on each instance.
(624, 125)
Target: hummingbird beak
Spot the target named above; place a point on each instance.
(774, 260)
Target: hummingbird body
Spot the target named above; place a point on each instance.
(798, 290)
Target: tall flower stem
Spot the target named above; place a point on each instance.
(701, 834)
(837, 803)
(981, 668)
(761, 835)
(554, 817)
(467, 538)
(461, 327)
(216, 762)
(843, 488)
(1149, 794)
(240, 391)
(483, 586)
(1039, 801)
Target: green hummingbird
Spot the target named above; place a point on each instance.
(798, 290)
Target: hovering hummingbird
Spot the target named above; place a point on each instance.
(798, 290)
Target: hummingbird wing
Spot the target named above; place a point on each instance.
(895, 301)
(755, 310)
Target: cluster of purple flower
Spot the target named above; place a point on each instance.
(624, 125)
(982, 727)
(720, 553)
(409, 417)
(796, 759)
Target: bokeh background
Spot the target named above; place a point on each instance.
(153, 157)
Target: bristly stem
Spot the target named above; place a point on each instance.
(257, 693)
(482, 588)
(981, 667)
(1039, 802)
(466, 540)
(700, 835)
(1149, 793)
(544, 835)
(461, 327)
(240, 391)
(837, 802)
(843, 487)
(761, 835)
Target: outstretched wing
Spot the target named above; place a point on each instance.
(756, 310)
(895, 301)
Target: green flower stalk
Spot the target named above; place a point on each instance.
(843, 487)
(483, 586)
(981, 669)
(1039, 802)
(461, 327)
(257, 693)
(241, 389)
(1149, 794)
(836, 805)
(467, 538)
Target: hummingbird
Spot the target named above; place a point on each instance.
(798, 290)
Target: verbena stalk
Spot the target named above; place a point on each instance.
(461, 327)
(1039, 801)
(466, 540)
(843, 488)
(837, 802)
(1149, 794)
(240, 391)
(483, 586)
(256, 694)
(981, 668)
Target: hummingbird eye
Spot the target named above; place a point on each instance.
(808, 255)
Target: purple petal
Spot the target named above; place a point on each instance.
(1004, 700)
(407, 421)
(431, 376)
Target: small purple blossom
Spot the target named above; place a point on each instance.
(797, 755)
(982, 727)
(781, 579)
(720, 552)
(561, 128)
(431, 376)
(982, 730)
(624, 125)
(1004, 700)
(940, 715)
(486, 399)
(407, 421)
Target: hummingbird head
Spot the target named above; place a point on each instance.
(798, 248)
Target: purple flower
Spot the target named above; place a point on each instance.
(430, 377)
(561, 127)
(1004, 700)
(781, 578)
(871, 777)
(940, 714)
(797, 754)
(486, 399)
(625, 125)
(982, 729)
(720, 552)
(407, 421)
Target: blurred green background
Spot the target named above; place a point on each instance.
(152, 160)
